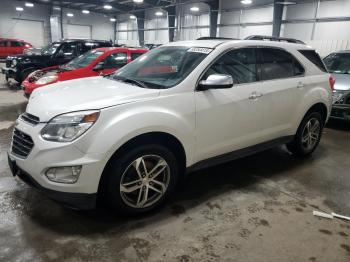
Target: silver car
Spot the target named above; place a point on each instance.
(338, 64)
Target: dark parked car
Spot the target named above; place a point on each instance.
(338, 64)
(57, 53)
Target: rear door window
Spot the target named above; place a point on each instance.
(278, 64)
(240, 64)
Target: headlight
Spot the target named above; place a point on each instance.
(46, 80)
(13, 62)
(68, 127)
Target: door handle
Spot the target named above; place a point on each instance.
(255, 95)
(300, 85)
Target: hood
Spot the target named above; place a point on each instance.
(342, 81)
(29, 57)
(84, 94)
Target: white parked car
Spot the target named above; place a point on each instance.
(129, 137)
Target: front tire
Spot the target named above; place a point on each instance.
(308, 135)
(140, 179)
(24, 75)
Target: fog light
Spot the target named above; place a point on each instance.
(64, 174)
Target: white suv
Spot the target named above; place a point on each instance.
(128, 138)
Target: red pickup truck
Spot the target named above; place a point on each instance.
(12, 47)
(100, 61)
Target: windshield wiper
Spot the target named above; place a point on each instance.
(131, 81)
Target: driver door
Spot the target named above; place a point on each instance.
(229, 119)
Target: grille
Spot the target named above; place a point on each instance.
(8, 62)
(31, 119)
(22, 144)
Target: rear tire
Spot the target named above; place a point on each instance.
(140, 179)
(308, 135)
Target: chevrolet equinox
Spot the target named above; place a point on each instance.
(128, 138)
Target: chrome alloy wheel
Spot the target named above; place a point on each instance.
(145, 181)
(311, 133)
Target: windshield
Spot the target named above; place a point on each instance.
(338, 63)
(163, 67)
(50, 49)
(84, 60)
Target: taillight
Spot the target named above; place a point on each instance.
(331, 82)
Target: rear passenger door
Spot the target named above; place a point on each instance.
(282, 88)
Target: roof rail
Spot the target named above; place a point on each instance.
(215, 38)
(82, 39)
(273, 38)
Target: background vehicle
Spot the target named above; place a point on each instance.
(129, 137)
(12, 47)
(339, 65)
(93, 63)
(58, 53)
(151, 46)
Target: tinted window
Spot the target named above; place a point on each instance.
(69, 49)
(115, 60)
(92, 45)
(314, 58)
(276, 64)
(50, 49)
(135, 55)
(338, 63)
(2, 43)
(16, 44)
(240, 64)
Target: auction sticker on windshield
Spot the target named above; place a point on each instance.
(200, 50)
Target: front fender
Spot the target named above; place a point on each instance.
(118, 125)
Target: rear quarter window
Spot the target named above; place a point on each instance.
(313, 57)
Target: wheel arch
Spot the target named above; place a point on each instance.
(162, 138)
(321, 108)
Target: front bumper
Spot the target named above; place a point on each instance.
(340, 111)
(9, 72)
(44, 155)
(73, 200)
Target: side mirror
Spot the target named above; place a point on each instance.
(216, 81)
(98, 67)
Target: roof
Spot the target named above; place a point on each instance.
(200, 43)
(116, 49)
(341, 52)
(216, 42)
(82, 40)
(13, 39)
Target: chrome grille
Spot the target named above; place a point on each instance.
(22, 143)
(31, 119)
